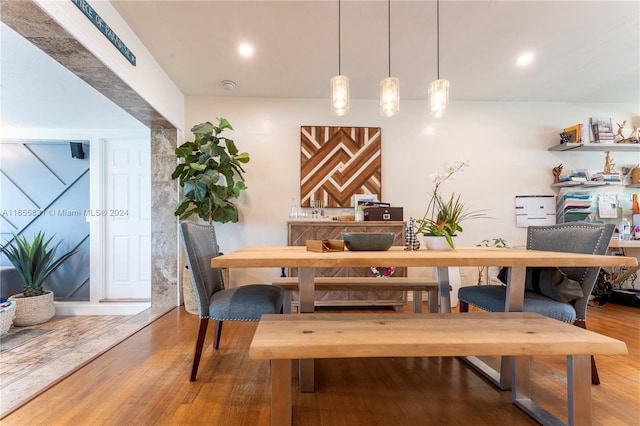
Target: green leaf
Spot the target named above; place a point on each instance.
(202, 128)
(243, 157)
(231, 146)
(198, 167)
(224, 124)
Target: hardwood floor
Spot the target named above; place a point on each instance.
(144, 381)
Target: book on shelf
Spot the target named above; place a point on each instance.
(601, 129)
(574, 133)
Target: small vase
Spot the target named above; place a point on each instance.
(438, 243)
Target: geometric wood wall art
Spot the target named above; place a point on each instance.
(338, 162)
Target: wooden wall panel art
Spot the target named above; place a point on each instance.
(339, 162)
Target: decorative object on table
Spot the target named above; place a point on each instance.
(383, 271)
(358, 149)
(608, 164)
(634, 136)
(440, 243)
(368, 241)
(411, 241)
(444, 216)
(557, 171)
(34, 262)
(323, 246)
(211, 163)
(7, 313)
(619, 136)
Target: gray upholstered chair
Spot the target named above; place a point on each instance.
(243, 303)
(576, 237)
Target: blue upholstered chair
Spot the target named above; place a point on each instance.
(243, 303)
(576, 237)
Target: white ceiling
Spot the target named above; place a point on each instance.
(585, 51)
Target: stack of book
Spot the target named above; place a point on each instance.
(606, 177)
(573, 207)
(601, 130)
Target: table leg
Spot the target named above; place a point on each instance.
(306, 287)
(515, 289)
(443, 288)
(281, 392)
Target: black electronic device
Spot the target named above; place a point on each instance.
(76, 150)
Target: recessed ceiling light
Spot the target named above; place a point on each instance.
(245, 50)
(525, 59)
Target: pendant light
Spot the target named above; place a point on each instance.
(390, 86)
(339, 84)
(439, 88)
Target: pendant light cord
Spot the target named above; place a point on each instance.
(339, 52)
(438, 39)
(389, 32)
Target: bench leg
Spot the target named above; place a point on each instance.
(281, 392)
(417, 302)
(578, 391)
(433, 301)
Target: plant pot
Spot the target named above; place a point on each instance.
(33, 310)
(438, 243)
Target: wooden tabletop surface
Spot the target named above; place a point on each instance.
(294, 256)
(344, 335)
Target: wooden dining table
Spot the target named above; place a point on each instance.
(307, 262)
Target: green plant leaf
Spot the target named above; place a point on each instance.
(202, 128)
(243, 157)
(231, 146)
(224, 124)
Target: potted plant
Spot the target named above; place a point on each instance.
(444, 216)
(210, 174)
(34, 262)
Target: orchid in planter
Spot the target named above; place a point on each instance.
(444, 215)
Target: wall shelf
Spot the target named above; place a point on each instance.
(589, 184)
(613, 147)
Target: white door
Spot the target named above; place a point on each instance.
(128, 219)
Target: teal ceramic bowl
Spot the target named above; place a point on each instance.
(368, 241)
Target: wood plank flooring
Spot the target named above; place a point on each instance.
(144, 381)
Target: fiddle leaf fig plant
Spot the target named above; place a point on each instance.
(210, 174)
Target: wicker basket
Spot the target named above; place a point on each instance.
(33, 310)
(6, 317)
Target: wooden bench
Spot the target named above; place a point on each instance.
(282, 338)
(415, 284)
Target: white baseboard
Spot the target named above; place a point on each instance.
(111, 308)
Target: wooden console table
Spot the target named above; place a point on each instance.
(299, 231)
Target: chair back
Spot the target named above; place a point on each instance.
(575, 237)
(200, 247)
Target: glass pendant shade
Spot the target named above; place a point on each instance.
(438, 97)
(389, 97)
(340, 95)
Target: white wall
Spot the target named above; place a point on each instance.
(506, 144)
